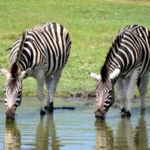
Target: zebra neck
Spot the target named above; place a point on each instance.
(114, 75)
(110, 72)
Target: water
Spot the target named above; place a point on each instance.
(73, 129)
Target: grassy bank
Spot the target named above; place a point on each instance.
(92, 26)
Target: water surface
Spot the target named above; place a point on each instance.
(73, 129)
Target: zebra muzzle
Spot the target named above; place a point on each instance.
(99, 115)
(10, 113)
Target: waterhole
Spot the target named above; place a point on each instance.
(75, 129)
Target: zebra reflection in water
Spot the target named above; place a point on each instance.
(124, 137)
(141, 137)
(12, 139)
(40, 53)
(104, 136)
(46, 137)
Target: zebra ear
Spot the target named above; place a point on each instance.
(114, 74)
(5, 73)
(25, 74)
(95, 76)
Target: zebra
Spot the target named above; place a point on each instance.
(41, 53)
(127, 62)
(142, 81)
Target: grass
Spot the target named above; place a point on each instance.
(92, 26)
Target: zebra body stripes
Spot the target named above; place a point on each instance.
(127, 60)
(40, 53)
(122, 84)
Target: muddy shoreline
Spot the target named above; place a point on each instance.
(85, 94)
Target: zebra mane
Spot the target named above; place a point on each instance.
(21, 46)
(14, 70)
(111, 54)
(15, 66)
(104, 69)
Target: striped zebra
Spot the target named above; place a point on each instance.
(41, 53)
(142, 82)
(127, 61)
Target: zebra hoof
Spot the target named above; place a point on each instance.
(42, 113)
(46, 108)
(128, 114)
(123, 112)
(49, 108)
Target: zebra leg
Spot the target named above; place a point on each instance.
(121, 95)
(125, 83)
(142, 86)
(130, 92)
(40, 82)
(48, 81)
(52, 89)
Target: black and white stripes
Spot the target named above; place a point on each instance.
(41, 53)
(128, 58)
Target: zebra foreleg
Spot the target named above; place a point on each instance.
(122, 85)
(121, 95)
(48, 81)
(40, 94)
(52, 89)
(130, 91)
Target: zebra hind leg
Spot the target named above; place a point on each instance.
(142, 86)
(48, 81)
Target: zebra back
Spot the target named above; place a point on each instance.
(41, 53)
(128, 57)
(50, 41)
(137, 29)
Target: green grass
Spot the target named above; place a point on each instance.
(92, 26)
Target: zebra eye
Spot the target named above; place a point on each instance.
(19, 92)
(110, 92)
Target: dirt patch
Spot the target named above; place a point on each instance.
(85, 94)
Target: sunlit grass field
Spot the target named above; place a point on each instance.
(92, 26)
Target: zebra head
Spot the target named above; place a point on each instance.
(13, 89)
(105, 95)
